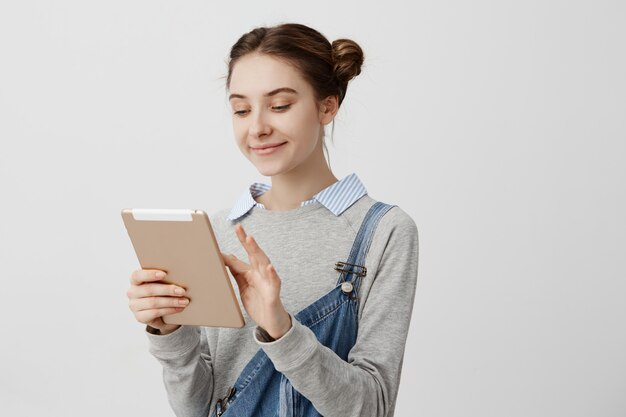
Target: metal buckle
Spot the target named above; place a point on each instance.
(341, 267)
(222, 403)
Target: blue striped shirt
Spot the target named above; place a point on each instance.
(336, 197)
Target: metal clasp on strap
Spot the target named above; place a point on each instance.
(346, 267)
(222, 403)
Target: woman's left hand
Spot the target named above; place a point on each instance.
(259, 286)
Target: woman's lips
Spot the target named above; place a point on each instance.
(267, 151)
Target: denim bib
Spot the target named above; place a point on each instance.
(262, 391)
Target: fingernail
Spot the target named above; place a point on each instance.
(160, 274)
(179, 291)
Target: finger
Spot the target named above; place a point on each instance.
(245, 240)
(151, 303)
(241, 234)
(254, 262)
(239, 270)
(155, 289)
(249, 244)
(140, 276)
(146, 316)
(236, 265)
(242, 282)
(272, 275)
(261, 259)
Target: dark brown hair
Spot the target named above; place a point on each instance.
(328, 67)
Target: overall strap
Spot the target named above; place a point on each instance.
(354, 267)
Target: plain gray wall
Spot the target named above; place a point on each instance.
(499, 126)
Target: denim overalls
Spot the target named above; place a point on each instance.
(260, 390)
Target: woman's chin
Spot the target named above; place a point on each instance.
(269, 170)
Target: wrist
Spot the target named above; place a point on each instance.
(281, 328)
(162, 331)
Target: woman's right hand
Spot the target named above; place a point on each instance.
(150, 299)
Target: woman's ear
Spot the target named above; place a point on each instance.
(328, 109)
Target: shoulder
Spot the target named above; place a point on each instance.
(399, 222)
(397, 237)
(396, 222)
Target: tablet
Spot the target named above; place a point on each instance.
(182, 243)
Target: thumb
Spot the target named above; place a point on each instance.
(238, 270)
(236, 265)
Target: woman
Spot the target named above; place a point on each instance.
(326, 274)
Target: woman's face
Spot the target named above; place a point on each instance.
(273, 105)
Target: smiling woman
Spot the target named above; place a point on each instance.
(289, 115)
(329, 281)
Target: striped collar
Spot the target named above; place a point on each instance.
(336, 197)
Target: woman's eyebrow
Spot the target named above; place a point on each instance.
(271, 93)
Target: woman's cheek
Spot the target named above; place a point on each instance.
(240, 135)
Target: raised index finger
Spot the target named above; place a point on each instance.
(257, 257)
(243, 238)
(140, 276)
(241, 234)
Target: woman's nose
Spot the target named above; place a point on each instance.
(259, 124)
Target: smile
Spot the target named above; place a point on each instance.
(266, 151)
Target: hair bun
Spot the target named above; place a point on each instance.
(348, 59)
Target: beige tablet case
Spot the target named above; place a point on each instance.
(182, 243)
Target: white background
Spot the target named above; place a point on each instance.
(499, 126)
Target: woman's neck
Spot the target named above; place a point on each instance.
(289, 191)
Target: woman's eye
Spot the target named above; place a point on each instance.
(285, 107)
(278, 108)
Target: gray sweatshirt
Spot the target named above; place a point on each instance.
(200, 363)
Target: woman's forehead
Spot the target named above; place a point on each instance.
(257, 75)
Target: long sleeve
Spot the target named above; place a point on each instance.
(187, 369)
(367, 384)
